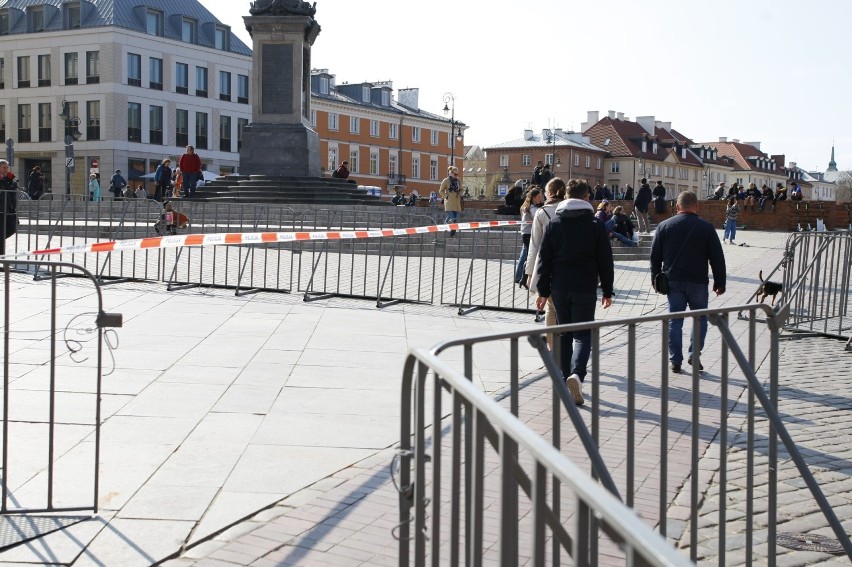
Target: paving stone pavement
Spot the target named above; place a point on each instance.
(295, 397)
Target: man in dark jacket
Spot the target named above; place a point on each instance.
(575, 253)
(640, 205)
(546, 175)
(683, 245)
(8, 204)
(536, 174)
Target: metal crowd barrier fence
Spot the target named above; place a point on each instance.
(462, 468)
(472, 270)
(818, 282)
(35, 482)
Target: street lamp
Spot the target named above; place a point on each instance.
(450, 108)
(72, 134)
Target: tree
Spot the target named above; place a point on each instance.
(844, 187)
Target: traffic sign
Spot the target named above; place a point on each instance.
(94, 163)
(69, 162)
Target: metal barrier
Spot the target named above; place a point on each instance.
(30, 356)
(661, 417)
(473, 270)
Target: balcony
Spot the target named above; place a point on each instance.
(396, 179)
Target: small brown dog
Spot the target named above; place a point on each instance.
(768, 288)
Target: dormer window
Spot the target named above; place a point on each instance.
(223, 38)
(323, 85)
(4, 23)
(72, 16)
(607, 142)
(644, 146)
(385, 98)
(683, 153)
(365, 93)
(189, 30)
(654, 148)
(37, 19)
(154, 22)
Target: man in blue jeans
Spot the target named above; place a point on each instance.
(575, 252)
(683, 245)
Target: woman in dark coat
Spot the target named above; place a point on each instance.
(659, 193)
(36, 184)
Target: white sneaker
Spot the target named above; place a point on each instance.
(576, 389)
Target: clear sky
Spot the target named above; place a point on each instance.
(774, 71)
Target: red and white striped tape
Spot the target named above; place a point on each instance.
(236, 238)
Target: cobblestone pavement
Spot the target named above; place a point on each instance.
(348, 518)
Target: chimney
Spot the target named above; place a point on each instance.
(528, 135)
(646, 122)
(619, 115)
(557, 132)
(545, 134)
(755, 144)
(409, 98)
(723, 139)
(792, 165)
(591, 120)
(611, 113)
(735, 140)
(667, 126)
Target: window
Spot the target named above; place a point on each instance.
(654, 147)
(223, 38)
(504, 161)
(93, 72)
(613, 167)
(598, 163)
(44, 70)
(434, 137)
(394, 131)
(201, 130)
(134, 69)
(415, 167)
(313, 118)
(201, 81)
(332, 121)
(365, 93)
(23, 72)
(385, 98)
(225, 133)
(353, 161)
(242, 89)
(332, 158)
(24, 123)
(93, 120)
(134, 122)
(588, 162)
(241, 125)
(155, 73)
(374, 163)
(374, 128)
(224, 85)
(155, 124)
(644, 146)
(189, 30)
(526, 159)
(323, 85)
(4, 23)
(657, 170)
(2, 73)
(433, 169)
(354, 125)
(2, 122)
(415, 134)
(44, 123)
(392, 165)
(576, 160)
(181, 127)
(72, 16)
(36, 19)
(182, 80)
(71, 70)
(154, 22)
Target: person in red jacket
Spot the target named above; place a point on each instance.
(190, 167)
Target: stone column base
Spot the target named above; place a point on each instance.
(280, 150)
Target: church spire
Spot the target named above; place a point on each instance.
(832, 165)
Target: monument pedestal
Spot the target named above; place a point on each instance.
(280, 150)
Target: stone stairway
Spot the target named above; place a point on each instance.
(265, 189)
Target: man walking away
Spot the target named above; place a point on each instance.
(575, 252)
(683, 246)
(640, 205)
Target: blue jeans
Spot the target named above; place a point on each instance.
(730, 229)
(681, 295)
(189, 181)
(522, 259)
(609, 225)
(575, 307)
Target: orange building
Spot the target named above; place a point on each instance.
(389, 142)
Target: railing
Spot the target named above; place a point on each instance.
(473, 270)
(449, 507)
(37, 343)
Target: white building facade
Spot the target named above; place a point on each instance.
(141, 81)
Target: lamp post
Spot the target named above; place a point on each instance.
(450, 108)
(72, 134)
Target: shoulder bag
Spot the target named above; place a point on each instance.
(661, 280)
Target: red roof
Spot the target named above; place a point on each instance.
(625, 140)
(741, 152)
